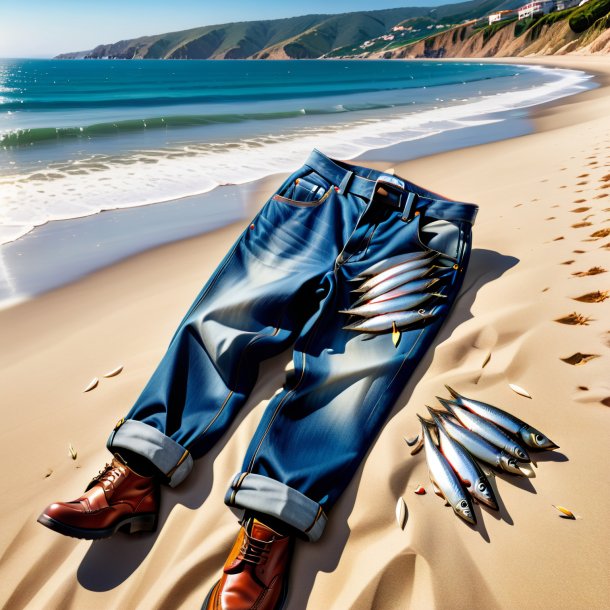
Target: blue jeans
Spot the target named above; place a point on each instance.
(287, 281)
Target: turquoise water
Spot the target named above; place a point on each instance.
(77, 137)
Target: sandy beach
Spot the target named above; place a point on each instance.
(541, 242)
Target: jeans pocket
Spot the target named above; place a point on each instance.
(444, 237)
(304, 190)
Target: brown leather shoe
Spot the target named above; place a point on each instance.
(117, 498)
(255, 575)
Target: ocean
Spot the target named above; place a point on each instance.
(79, 137)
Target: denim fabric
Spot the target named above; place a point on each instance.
(285, 282)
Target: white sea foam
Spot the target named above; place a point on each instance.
(87, 187)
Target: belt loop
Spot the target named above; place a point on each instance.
(409, 205)
(344, 186)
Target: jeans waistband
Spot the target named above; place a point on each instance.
(363, 181)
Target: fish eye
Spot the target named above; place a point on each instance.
(512, 462)
(481, 486)
(539, 438)
(464, 504)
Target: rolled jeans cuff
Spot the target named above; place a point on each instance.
(266, 495)
(173, 460)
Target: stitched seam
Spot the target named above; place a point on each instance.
(183, 457)
(415, 344)
(368, 243)
(241, 359)
(303, 204)
(292, 391)
(213, 419)
(318, 515)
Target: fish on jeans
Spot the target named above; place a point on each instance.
(394, 271)
(410, 288)
(389, 321)
(446, 483)
(394, 282)
(391, 305)
(528, 434)
(467, 469)
(485, 429)
(387, 263)
(478, 446)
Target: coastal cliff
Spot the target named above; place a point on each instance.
(546, 36)
(452, 30)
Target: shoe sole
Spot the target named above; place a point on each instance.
(140, 523)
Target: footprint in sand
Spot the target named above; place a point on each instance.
(600, 196)
(580, 225)
(550, 218)
(582, 183)
(592, 271)
(599, 296)
(574, 319)
(558, 238)
(578, 251)
(580, 209)
(567, 262)
(605, 178)
(600, 233)
(580, 201)
(582, 176)
(579, 359)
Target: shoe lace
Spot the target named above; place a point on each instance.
(110, 472)
(253, 550)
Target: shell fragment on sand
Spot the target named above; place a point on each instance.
(565, 512)
(114, 372)
(72, 452)
(411, 441)
(519, 390)
(401, 513)
(92, 384)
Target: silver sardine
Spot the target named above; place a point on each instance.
(403, 303)
(469, 472)
(394, 282)
(478, 446)
(394, 271)
(387, 263)
(445, 481)
(416, 286)
(385, 322)
(484, 428)
(529, 435)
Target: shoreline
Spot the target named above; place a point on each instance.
(82, 245)
(541, 197)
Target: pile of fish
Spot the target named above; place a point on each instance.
(392, 289)
(468, 432)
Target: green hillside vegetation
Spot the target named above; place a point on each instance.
(586, 15)
(309, 36)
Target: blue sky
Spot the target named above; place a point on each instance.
(43, 28)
